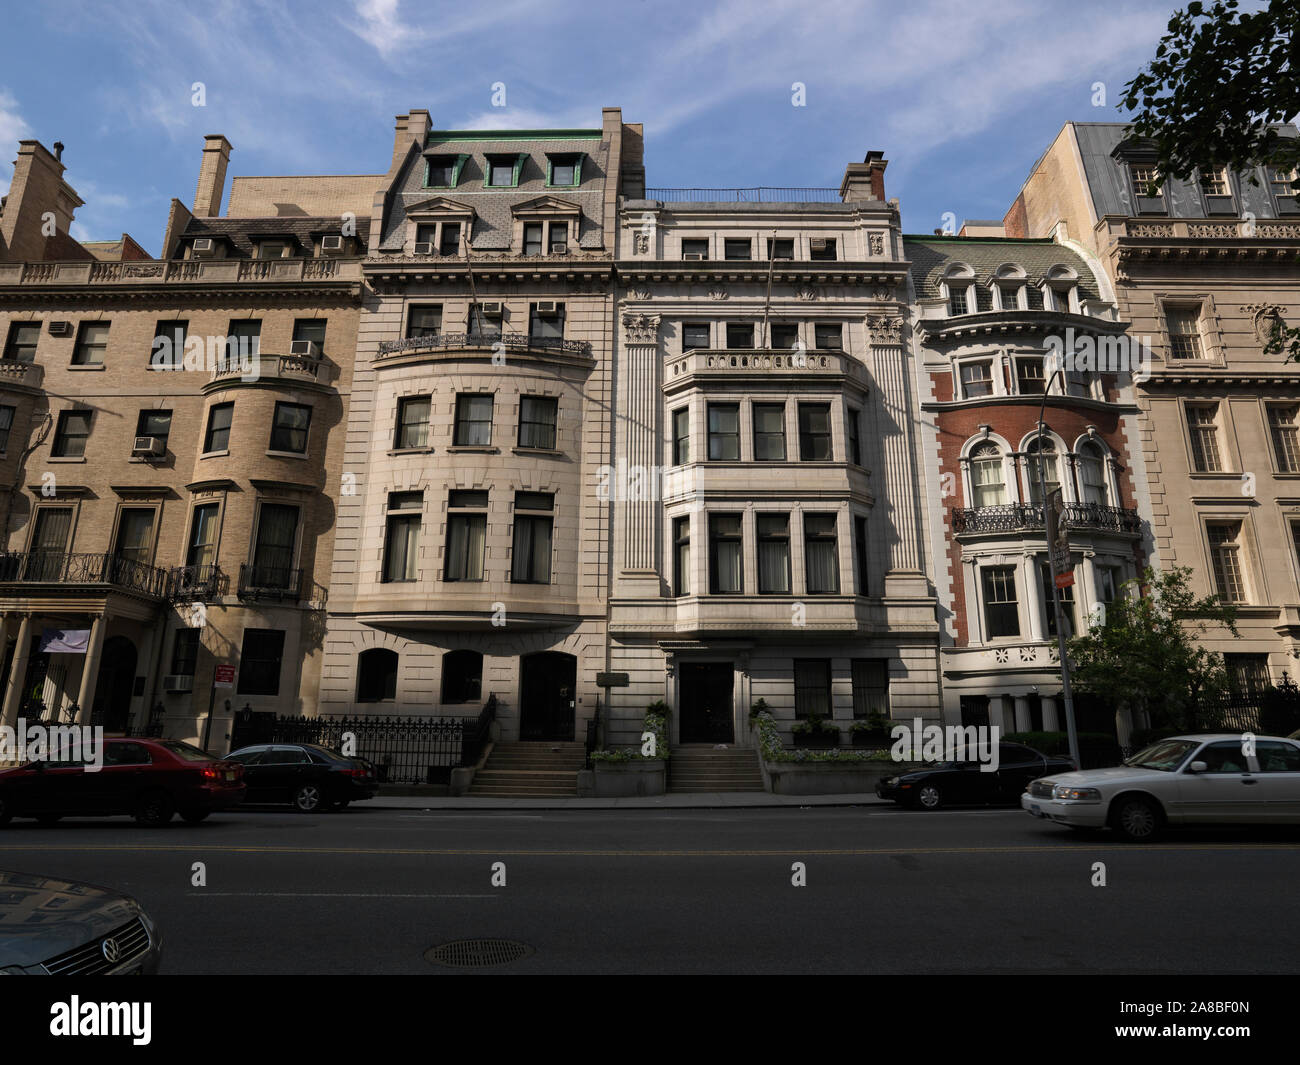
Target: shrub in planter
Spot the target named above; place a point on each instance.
(816, 732)
(872, 731)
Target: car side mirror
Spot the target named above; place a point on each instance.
(1197, 767)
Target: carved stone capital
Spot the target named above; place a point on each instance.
(641, 328)
(885, 328)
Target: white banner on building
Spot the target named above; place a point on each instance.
(65, 641)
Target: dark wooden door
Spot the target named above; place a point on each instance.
(706, 702)
(548, 696)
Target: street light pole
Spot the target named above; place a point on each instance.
(1066, 696)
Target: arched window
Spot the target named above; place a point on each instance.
(987, 476)
(462, 676)
(376, 675)
(1050, 467)
(959, 289)
(1009, 285)
(1092, 474)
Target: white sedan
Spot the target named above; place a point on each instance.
(1226, 778)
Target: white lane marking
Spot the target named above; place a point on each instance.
(325, 895)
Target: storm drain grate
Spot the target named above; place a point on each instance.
(477, 953)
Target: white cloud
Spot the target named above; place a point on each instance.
(12, 130)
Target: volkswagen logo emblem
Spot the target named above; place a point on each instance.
(111, 950)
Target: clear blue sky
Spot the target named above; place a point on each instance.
(961, 97)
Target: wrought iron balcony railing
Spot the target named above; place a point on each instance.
(1013, 517)
(270, 582)
(484, 342)
(195, 583)
(60, 567)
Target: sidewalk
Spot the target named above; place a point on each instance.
(706, 800)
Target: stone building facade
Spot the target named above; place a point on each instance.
(1204, 269)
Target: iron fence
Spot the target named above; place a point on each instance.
(508, 341)
(61, 567)
(1010, 517)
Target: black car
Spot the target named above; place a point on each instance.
(938, 784)
(305, 774)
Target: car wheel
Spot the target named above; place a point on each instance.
(193, 817)
(154, 808)
(928, 797)
(1137, 820)
(309, 798)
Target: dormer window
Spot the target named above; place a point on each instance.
(503, 171)
(1008, 283)
(1061, 290)
(553, 237)
(959, 289)
(1214, 182)
(449, 239)
(564, 171)
(443, 171)
(272, 249)
(546, 226)
(1146, 179)
(441, 238)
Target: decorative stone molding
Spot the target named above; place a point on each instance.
(640, 243)
(806, 292)
(641, 328)
(719, 292)
(882, 293)
(876, 243)
(638, 293)
(1267, 318)
(885, 328)
(1212, 230)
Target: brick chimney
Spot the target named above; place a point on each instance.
(864, 180)
(212, 176)
(37, 191)
(411, 127)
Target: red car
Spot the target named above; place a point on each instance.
(149, 779)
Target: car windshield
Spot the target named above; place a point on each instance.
(185, 751)
(323, 753)
(1166, 756)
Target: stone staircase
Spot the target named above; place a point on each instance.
(530, 770)
(697, 768)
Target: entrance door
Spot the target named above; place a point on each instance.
(114, 684)
(548, 684)
(707, 705)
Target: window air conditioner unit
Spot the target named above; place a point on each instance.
(548, 308)
(203, 247)
(306, 348)
(147, 445)
(178, 682)
(490, 310)
(331, 243)
(60, 329)
(818, 243)
(694, 256)
(424, 247)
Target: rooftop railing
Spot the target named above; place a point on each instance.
(756, 194)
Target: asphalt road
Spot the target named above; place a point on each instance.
(617, 891)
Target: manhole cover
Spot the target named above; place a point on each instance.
(476, 953)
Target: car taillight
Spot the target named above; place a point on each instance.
(211, 774)
(357, 772)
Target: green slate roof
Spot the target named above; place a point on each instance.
(931, 256)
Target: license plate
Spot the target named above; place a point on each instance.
(230, 774)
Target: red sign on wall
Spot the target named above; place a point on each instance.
(224, 678)
(1066, 579)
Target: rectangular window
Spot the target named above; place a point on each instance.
(243, 338)
(1214, 182)
(1010, 296)
(769, 432)
(548, 325)
(1108, 584)
(531, 553)
(1202, 425)
(1146, 179)
(169, 343)
(449, 239)
(860, 553)
(726, 562)
(681, 436)
(681, 556)
(185, 652)
(815, 432)
(564, 170)
(401, 539)
(71, 433)
(501, 171)
(6, 425)
(202, 548)
(1248, 674)
(773, 553)
(52, 529)
(557, 238)
(311, 331)
(851, 419)
(724, 432)
(424, 319)
(442, 172)
(289, 427)
(812, 687)
(466, 535)
(272, 249)
(473, 421)
(1286, 447)
(1184, 325)
(784, 334)
(1001, 610)
(694, 335)
(829, 336)
(976, 379)
(821, 554)
(1030, 377)
(695, 249)
(92, 341)
(740, 334)
(780, 248)
(259, 662)
(135, 534)
(870, 687)
(537, 416)
(957, 301)
(426, 233)
(482, 324)
(1067, 603)
(217, 437)
(737, 248)
(273, 547)
(1225, 557)
(23, 337)
(1282, 181)
(821, 249)
(533, 238)
(412, 422)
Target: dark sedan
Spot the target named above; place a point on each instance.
(149, 779)
(307, 775)
(55, 927)
(939, 784)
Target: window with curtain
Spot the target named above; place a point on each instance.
(1092, 474)
(49, 542)
(424, 320)
(821, 552)
(812, 687)
(466, 535)
(726, 563)
(259, 663)
(202, 549)
(1043, 452)
(277, 531)
(376, 675)
(135, 534)
(531, 553)
(289, 427)
(473, 421)
(987, 476)
(537, 417)
(870, 687)
(681, 556)
(773, 553)
(400, 545)
(412, 422)
(462, 677)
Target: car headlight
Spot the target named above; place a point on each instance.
(1064, 791)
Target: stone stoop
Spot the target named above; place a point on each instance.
(530, 770)
(704, 768)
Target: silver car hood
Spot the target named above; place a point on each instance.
(41, 917)
(1094, 777)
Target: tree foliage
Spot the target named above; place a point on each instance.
(1147, 653)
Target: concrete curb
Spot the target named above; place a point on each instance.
(696, 801)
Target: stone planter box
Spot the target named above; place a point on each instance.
(617, 780)
(830, 778)
(818, 741)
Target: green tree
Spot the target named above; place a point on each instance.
(1147, 653)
